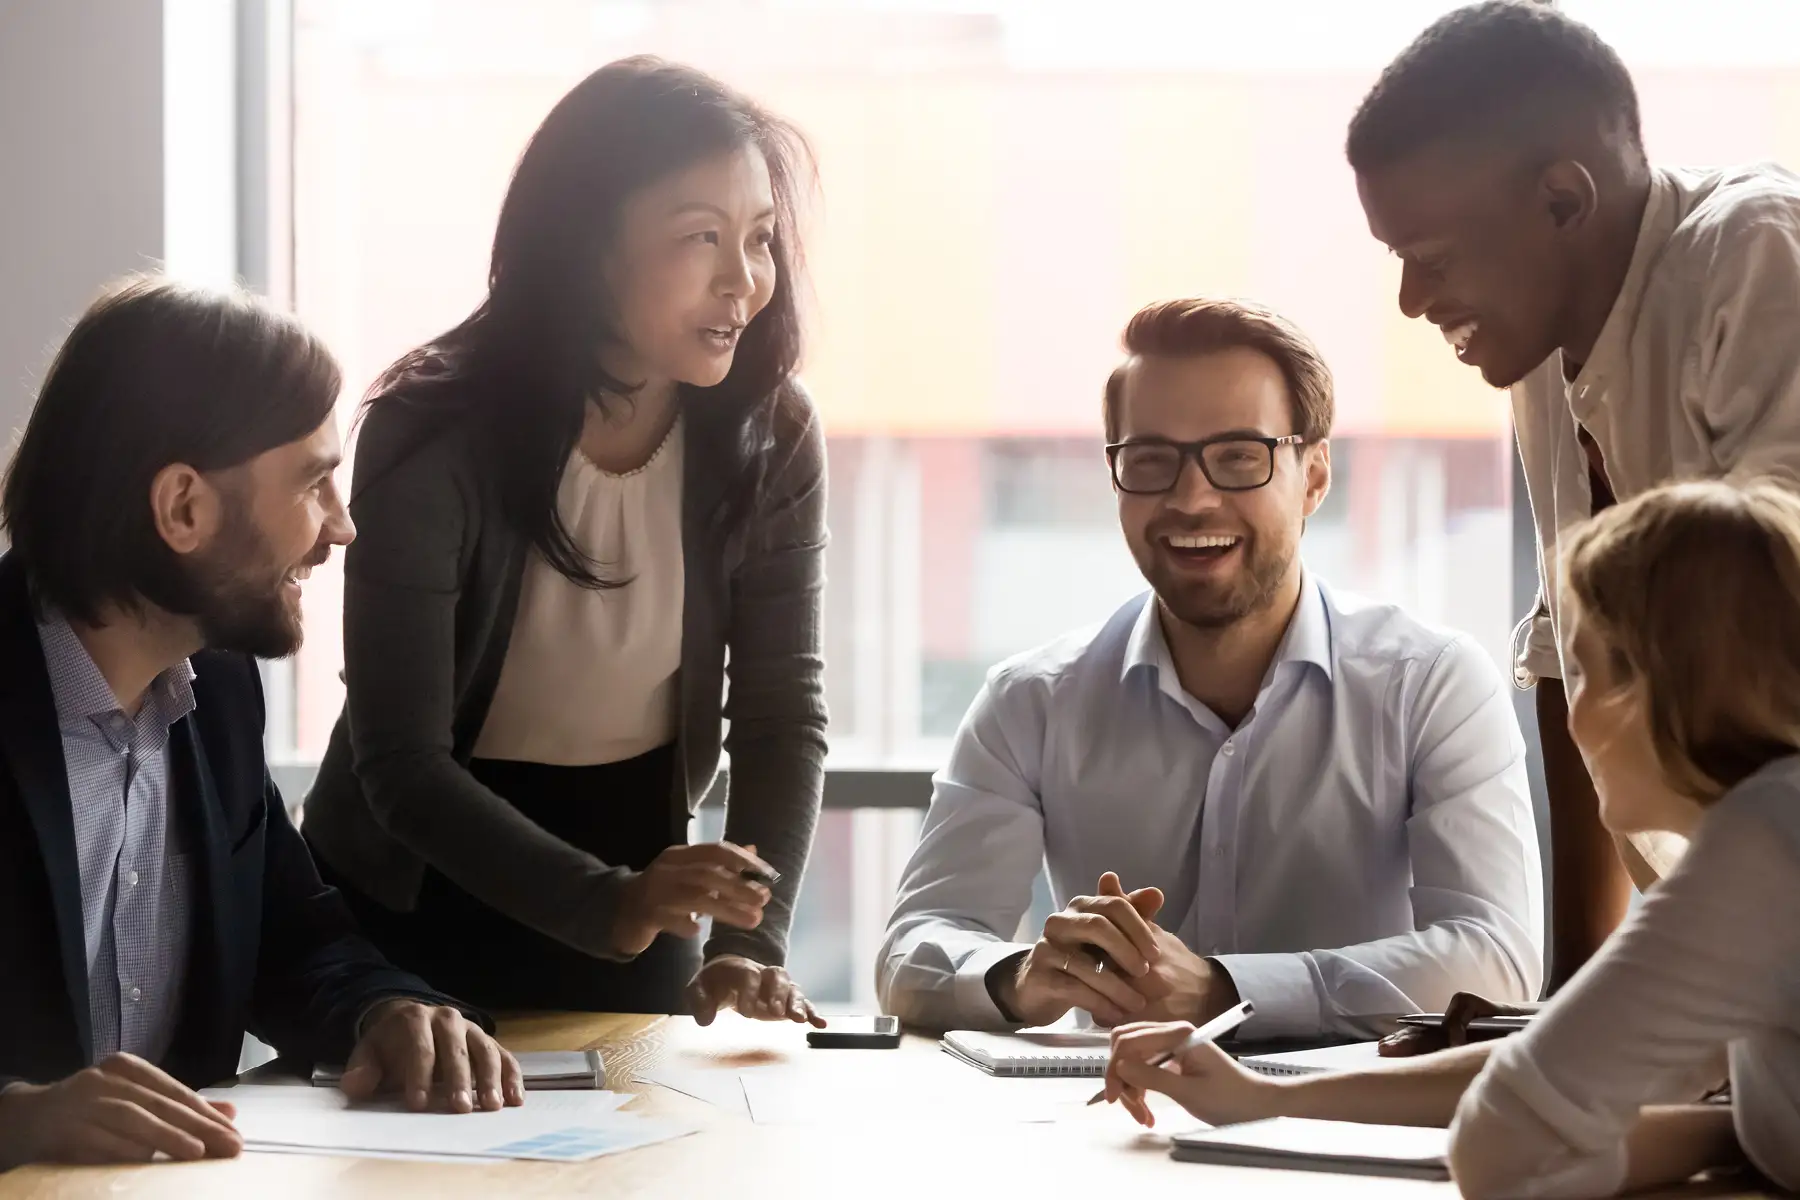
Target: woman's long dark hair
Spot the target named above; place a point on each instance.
(524, 365)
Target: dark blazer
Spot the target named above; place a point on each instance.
(430, 592)
(273, 950)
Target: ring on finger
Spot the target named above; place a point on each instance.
(1067, 959)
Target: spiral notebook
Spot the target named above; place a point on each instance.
(1354, 1057)
(1032, 1052)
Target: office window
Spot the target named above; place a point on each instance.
(1003, 183)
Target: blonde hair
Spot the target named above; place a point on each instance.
(1694, 589)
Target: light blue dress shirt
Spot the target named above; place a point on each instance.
(1361, 845)
(135, 884)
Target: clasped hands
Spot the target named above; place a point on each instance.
(1106, 955)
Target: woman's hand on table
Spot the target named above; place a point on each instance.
(758, 992)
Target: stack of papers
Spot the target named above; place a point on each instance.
(566, 1126)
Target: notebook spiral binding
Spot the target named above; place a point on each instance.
(1061, 1066)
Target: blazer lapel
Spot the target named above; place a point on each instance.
(201, 821)
(31, 743)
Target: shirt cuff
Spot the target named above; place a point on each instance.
(1282, 988)
(1536, 655)
(429, 1001)
(362, 1018)
(973, 999)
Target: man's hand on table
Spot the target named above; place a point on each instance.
(121, 1110)
(422, 1050)
(758, 992)
(1464, 1007)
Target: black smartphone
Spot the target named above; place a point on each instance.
(857, 1033)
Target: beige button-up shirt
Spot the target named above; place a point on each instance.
(1695, 374)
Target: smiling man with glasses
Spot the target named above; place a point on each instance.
(1318, 803)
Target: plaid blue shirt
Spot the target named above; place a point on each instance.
(135, 884)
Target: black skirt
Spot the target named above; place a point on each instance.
(618, 812)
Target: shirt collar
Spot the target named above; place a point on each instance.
(1145, 647)
(81, 691)
(1308, 637)
(1307, 640)
(1661, 215)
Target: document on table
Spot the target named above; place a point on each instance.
(778, 1097)
(571, 1126)
(717, 1086)
(855, 1089)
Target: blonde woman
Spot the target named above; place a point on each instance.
(1685, 607)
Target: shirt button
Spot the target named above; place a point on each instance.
(1228, 749)
(131, 878)
(136, 993)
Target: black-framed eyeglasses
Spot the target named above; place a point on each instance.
(1231, 462)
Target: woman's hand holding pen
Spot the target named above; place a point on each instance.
(687, 883)
(1202, 1079)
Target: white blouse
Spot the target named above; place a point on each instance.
(590, 675)
(1710, 962)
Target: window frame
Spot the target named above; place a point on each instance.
(265, 98)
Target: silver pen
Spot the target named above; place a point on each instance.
(1212, 1031)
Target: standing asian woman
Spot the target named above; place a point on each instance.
(583, 511)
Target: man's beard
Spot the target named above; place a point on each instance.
(234, 593)
(1219, 605)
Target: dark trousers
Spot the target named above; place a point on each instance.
(618, 812)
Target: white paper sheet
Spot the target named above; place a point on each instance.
(779, 1097)
(557, 1126)
(463, 1160)
(717, 1086)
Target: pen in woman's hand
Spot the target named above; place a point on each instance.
(1212, 1031)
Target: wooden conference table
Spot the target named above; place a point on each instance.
(1085, 1152)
